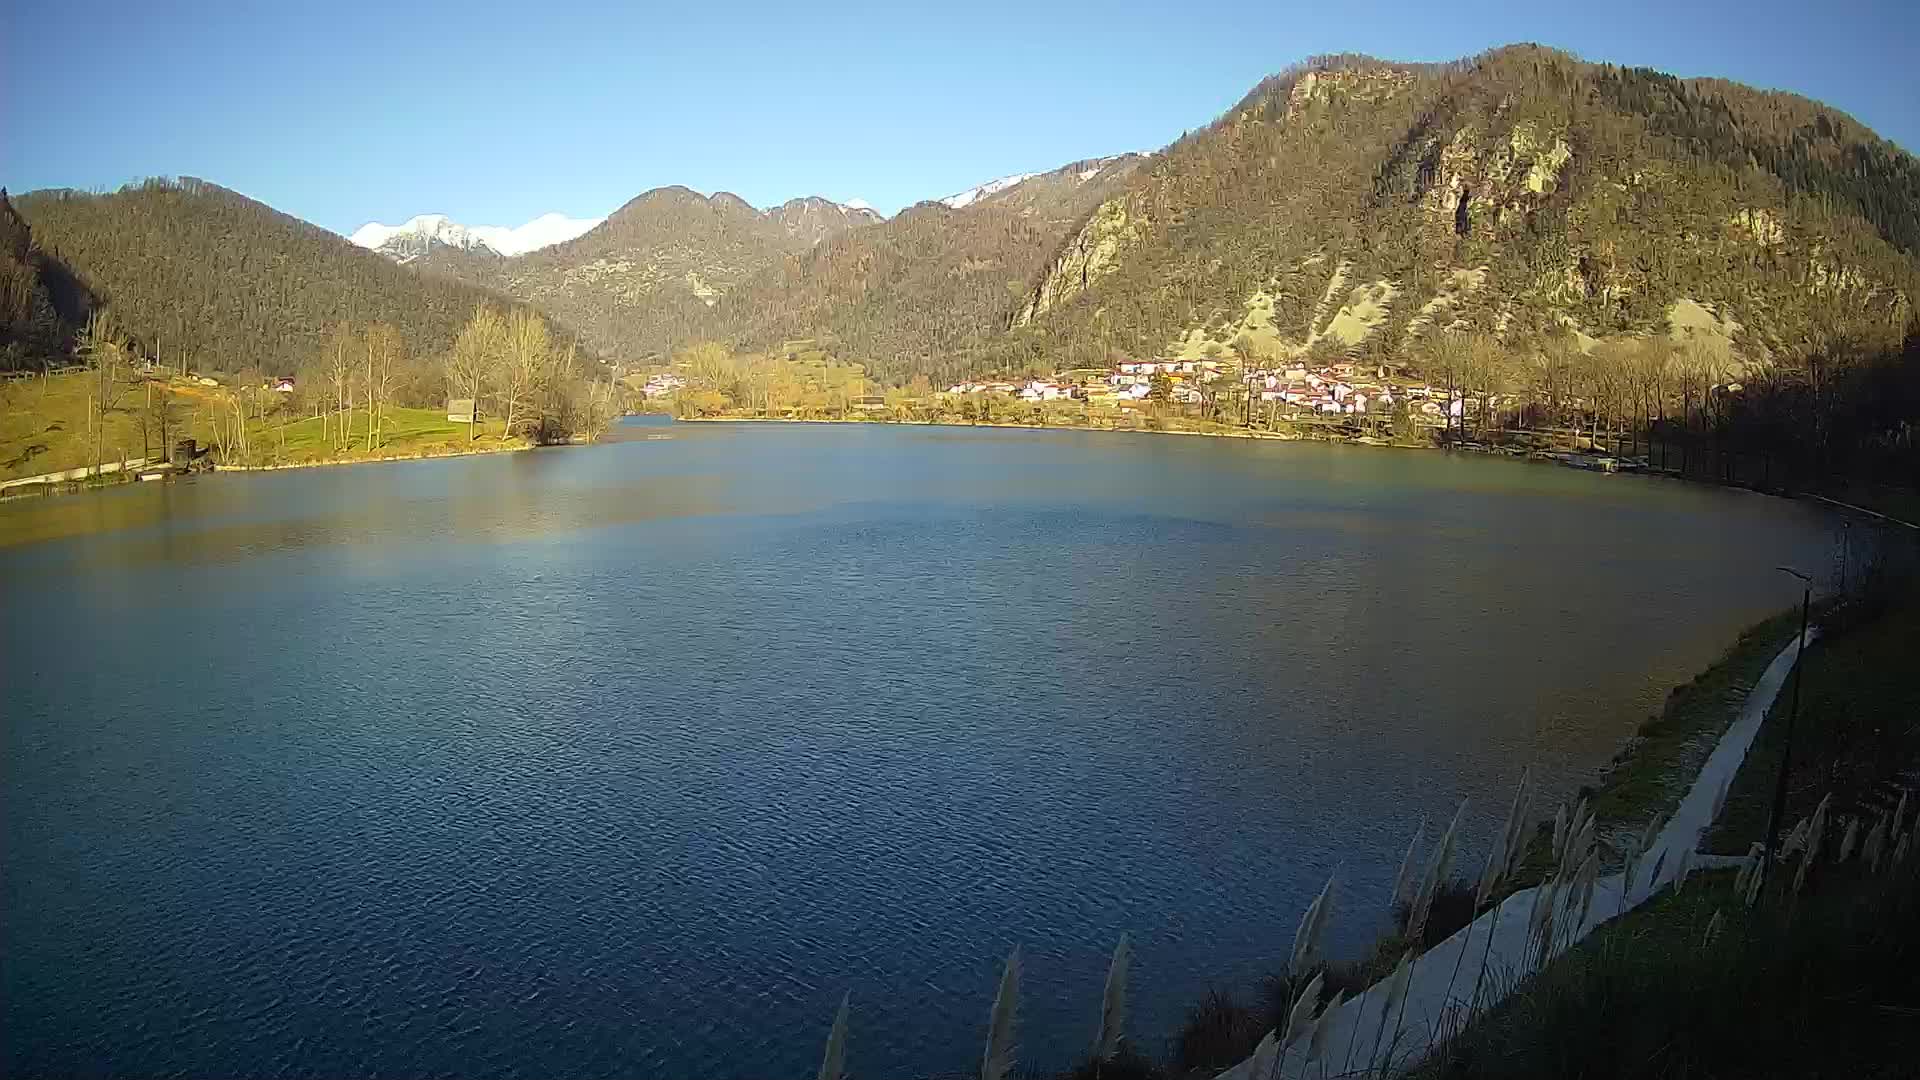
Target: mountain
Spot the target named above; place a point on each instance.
(648, 274)
(1347, 205)
(813, 219)
(428, 232)
(924, 292)
(1362, 206)
(992, 187)
(193, 270)
(42, 304)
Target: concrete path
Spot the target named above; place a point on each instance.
(80, 473)
(1436, 999)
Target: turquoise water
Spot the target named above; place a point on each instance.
(630, 759)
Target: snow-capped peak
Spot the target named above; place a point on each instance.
(543, 231)
(991, 187)
(420, 233)
(857, 204)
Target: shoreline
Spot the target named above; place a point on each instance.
(1558, 458)
(1237, 433)
(1505, 948)
(112, 478)
(380, 459)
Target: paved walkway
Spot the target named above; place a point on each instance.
(1510, 960)
(80, 473)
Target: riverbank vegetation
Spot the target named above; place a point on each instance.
(1841, 425)
(1809, 973)
(361, 395)
(1697, 984)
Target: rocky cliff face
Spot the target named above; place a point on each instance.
(1093, 253)
(1522, 193)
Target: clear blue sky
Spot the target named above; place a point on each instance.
(354, 110)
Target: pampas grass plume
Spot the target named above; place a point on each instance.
(1396, 993)
(1438, 867)
(1323, 1027)
(1875, 845)
(1713, 928)
(1402, 882)
(1302, 1011)
(833, 1066)
(1113, 1004)
(1313, 925)
(1848, 840)
(997, 1062)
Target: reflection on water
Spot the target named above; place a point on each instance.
(630, 759)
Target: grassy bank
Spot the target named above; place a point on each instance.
(1650, 774)
(1858, 730)
(1816, 978)
(46, 426)
(1696, 985)
(404, 433)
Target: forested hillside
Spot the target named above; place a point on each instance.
(927, 292)
(1349, 206)
(41, 304)
(1523, 193)
(648, 276)
(196, 273)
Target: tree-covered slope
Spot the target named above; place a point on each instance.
(1523, 193)
(649, 275)
(41, 304)
(196, 272)
(927, 291)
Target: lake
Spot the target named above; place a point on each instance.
(629, 760)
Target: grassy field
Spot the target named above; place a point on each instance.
(44, 428)
(43, 425)
(403, 433)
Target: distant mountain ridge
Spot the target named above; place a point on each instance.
(419, 235)
(810, 217)
(195, 272)
(648, 273)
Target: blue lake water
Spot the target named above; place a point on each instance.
(628, 760)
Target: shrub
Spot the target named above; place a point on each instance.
(1218, 1033)
(1452, 909)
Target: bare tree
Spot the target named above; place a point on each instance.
(338, 371)
(475, 354)
(386, 354)
(106, 352)
(522, 368)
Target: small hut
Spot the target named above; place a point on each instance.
(462, 410)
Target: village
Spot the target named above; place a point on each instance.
(1292, 389)
(1360, 399)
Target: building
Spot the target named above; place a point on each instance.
(462, 411)
(662, 385)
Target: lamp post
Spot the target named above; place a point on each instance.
(1793, 713)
